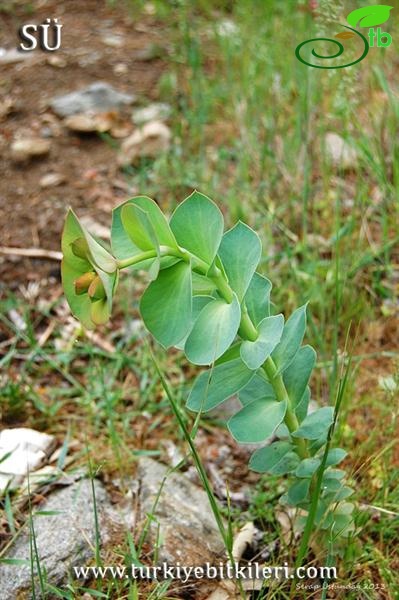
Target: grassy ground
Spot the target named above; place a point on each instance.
(249, 124)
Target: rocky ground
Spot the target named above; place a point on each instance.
(74, 516)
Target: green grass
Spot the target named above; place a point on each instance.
(249, 124)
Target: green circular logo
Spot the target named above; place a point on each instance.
(340, 51)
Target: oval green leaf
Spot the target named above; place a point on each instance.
(240, 251)
(213, 331)
(292, 337)
(277, 459)
(298, 492)
(97, 254)
(257, 388)
(255, 353)
(316, 424)
(157, 219)
(307, 467)
(198, 304)
(257, 298)
(166, 304)
(335, 456)
(257, 421)
(301, 409)
(297, 374)
(197, 224)
(216, 385)
(138, 227)
(122, 245)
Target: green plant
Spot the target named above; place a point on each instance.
(207, 299)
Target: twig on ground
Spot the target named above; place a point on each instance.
(32, 252)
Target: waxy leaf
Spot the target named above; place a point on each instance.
(198, 304)
(334, 474)
(157, 219)
(202, 286)
(100, 257)
(301, 409)
(82, 255)
(307, 467)
(231, 353)
(138, 227)
(315, 445)
(214, 386)
(240, 251)
(257, 388)
(296, 375)
(80, 304)
(291, 340)
(278, 459)
(342, 519)
(99, 312)
(122, 244)
(97, 255)
(166, 304)
(298, 492)
(316, 424)
(331, 486)
(369, 16)
(213, 331)
(335, 456)
(257, 298)
(197, 224)
(342, 494)
(255, 353)
(257, 421)
(142, 233)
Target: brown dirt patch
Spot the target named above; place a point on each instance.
(32, 216)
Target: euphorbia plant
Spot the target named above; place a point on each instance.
(207, 299)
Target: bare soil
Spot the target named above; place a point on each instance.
(31, 216)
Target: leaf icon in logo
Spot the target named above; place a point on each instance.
(369, 16)
(345, 35)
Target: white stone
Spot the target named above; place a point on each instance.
(51, 180)
(26, 450)
(149, 141)
(29, 148)
(158, 111)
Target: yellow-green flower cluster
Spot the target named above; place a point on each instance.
(89, 274)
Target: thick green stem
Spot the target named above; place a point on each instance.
(134, 260)
(247, 329)
(281, 393)
(216, 275)
(138, 258)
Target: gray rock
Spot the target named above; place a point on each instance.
(187, 528)
(63, 540)
(97, 97)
